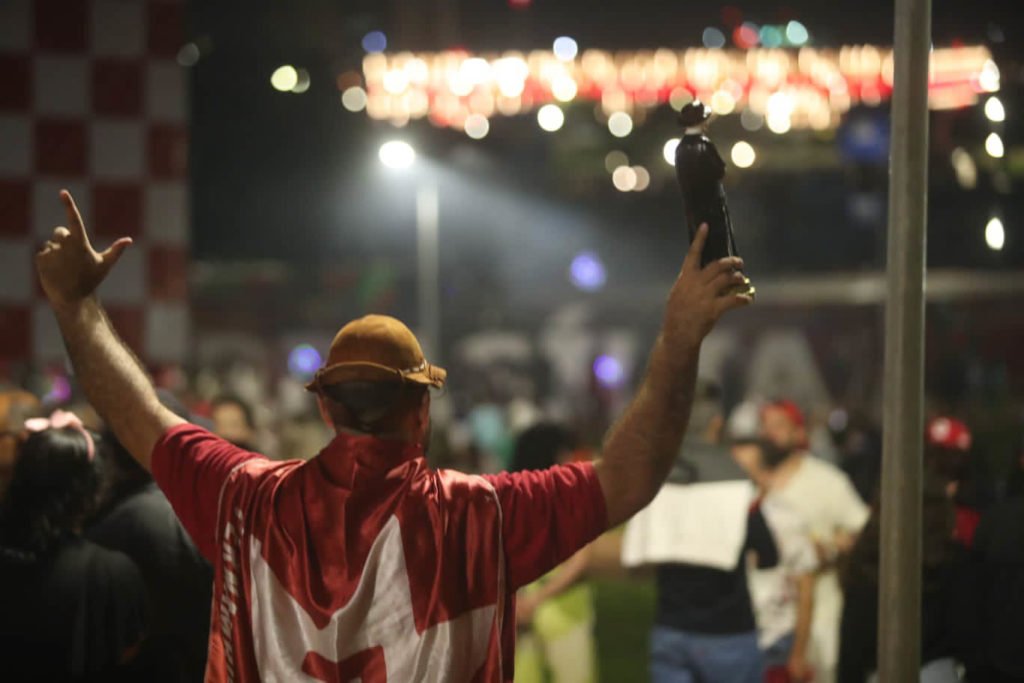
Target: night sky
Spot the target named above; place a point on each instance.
(296, 177)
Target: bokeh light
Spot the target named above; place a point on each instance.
(994, 145)
(565, 48)
(770, 36)
(302, 81)
(751, 120)
(995, 234)
(669, 151)
(624, 179)
(188, 55)
(375, 41)
(354, 98)
(284, 78)
(796, 33)
(477, 126)
(608, 371)
(743, 154)
(713, 38)
(304, 360)
(550, 117)
(587, 271)
(965, 168)
(620, 124)
(397, 154)
(994, 110)
(643, 179)
(614, 159)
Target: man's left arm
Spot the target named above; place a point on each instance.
(547, 516)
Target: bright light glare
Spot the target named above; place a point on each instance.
(397, 154)
(669, 151)
(624, 179)
(354, 98)
(796, 33)
(565, 48)
(395, 81)
(284, 78)
(988, 79)
(743, 154)
(994, 110)
(994, 145)
(550, 117)
(995, 235)
(477, 126)
(563, 88)
(620, 124)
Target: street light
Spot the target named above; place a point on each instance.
(400, 155)
(397, 154)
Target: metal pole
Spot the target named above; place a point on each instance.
(428, 269)
(899, 608)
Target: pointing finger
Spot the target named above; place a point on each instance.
(75, 224)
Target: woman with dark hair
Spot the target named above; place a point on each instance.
(70, 609)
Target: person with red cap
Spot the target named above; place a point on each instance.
(363, 562)
(947, 449)
(822, 495)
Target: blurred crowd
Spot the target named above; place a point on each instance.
(764, 554)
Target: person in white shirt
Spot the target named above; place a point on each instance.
(823, 497)
(782, 596)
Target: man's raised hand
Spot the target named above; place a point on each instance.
(69, 268)
(701, 295)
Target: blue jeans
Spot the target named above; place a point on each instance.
(777, 654)
(684, 657)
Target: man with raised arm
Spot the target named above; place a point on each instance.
(363, 562)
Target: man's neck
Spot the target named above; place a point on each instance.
(694, 130)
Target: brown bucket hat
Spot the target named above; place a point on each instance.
(376, 348)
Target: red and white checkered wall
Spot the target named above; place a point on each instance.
(92, 100)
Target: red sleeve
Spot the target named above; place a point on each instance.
(191, 465)
(547, 516)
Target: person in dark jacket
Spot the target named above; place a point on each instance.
(944, 575)
(69, 609)
(137, 520)
(998, 560)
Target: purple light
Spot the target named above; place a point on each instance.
(304, 360)
(60, 390)
(608, 371)
(375, 41)
(587, 272)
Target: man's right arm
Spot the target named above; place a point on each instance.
(113, 380)
(640, 448)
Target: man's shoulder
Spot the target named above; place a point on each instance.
(820, 471)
